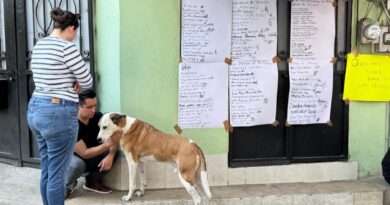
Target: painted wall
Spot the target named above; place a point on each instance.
(137, 54)
(149, 54)
(368, 121)
(107, 58)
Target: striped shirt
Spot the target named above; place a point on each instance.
(56, 65)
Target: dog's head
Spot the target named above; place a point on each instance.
(109, 124)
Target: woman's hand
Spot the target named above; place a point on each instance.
(76, 87)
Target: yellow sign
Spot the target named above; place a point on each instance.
(367, 78)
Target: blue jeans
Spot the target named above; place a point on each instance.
(55, 126)
(78, 167)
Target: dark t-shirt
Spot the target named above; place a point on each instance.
(88, 133)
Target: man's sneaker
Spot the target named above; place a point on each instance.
(68, 192)
(97, 187)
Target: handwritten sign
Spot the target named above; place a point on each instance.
(253, 76)
(206, 30)
(203, 95)
(253, 92)
(310, 96)
(311, 73)
(367, 78)
(254, 29)
(312, 29)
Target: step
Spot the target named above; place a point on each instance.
(161, 175)
(355, 192)
(20, 186)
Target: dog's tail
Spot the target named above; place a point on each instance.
(203, 172)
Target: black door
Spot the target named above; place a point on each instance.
(25, 22)
(10, 145)
(281, 144)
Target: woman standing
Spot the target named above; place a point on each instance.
(59, 73)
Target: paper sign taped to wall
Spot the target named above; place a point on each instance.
(367, 78)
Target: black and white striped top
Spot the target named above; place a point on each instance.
(56, 65)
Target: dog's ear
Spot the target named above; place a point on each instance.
(117, 117)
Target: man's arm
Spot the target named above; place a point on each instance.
(112, 150)
(106, 163)
(87, 153)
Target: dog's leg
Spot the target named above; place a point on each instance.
(142, 179)
(202, 186)
(199, 187)
(204, 183)
(132, 174)
(191, 190)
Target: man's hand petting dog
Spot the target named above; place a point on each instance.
(106, 163)
(114, 139)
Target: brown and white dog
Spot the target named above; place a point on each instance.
(141, 142)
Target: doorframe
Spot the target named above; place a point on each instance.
(17, 61)
(23, 97)
(289, 131)
(11, 73)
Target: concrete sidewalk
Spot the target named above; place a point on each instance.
(20, 186)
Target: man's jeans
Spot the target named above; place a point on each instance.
(55, 126)
(79, 167)
(75, 170)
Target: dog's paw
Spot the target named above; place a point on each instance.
(126, 198)
(138, 193)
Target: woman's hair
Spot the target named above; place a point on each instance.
(63, 19)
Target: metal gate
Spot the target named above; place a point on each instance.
(266, 144)
(22, 24)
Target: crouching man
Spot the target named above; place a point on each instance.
(90, 156)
